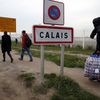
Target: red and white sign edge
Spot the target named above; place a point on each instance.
(43, 42)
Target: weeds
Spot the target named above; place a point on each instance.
(66, 89)
(40, 89)
(28, 78)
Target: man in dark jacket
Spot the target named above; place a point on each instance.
(6, 46)
(96, 31)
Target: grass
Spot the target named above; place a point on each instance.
(69, 60)
(28, 78)
(40, 89)
(67, 89)
(64, 87)
(75, 50)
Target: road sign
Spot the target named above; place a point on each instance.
(53, 12)
(52, 35)
(7, 24)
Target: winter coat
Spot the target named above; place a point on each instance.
(24, 38)
(6, 43)
(96, 31)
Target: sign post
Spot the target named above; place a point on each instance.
(62, 60)
(53, 14)
(42, 63)
(45, 35)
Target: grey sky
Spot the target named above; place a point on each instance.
(78, 13)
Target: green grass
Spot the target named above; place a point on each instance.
(75, 50)
(28, 78)
(69, 60)
(40, 89)
(65, 88)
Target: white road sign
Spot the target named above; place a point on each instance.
(52, 35)
(53, 12)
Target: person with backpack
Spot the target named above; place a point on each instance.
(26, 43)
(96, 31)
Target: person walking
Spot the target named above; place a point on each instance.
(16, 41)
(6, 46)
(25, 47)
(96, 31)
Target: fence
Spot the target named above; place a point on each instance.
(80, 41)
(85, 42)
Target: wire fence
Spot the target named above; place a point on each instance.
(85, 42)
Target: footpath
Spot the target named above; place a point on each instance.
(11, 89)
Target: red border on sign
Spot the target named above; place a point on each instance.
(51, 27)
(49, 12)
(44, 13)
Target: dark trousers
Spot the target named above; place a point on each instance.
(4, 55)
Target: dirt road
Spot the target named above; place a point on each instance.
(12, 89)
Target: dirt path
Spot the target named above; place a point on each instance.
(12, 89)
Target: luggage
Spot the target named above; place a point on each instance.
(92, 67)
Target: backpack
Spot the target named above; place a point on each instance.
(28, 42)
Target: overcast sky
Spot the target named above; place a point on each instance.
(78, 14)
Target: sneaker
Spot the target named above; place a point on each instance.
(31, 60)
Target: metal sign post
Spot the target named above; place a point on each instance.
(53, 14)
(45, 35)
(42, 63)
(62, 60)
